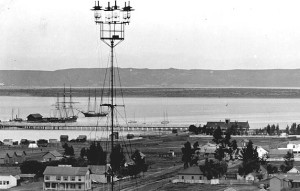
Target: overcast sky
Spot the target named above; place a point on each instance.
(190, 34)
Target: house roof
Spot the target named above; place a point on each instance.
(35, 115)
(27, 175)
(193, 170)
(65, 171)
(54, 153)
(82, 137)
(279, 151)
(295, 167)
(294, 142)
(98, 169)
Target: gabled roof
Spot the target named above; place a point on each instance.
(65, 171)
(55, 153)
(82, 137)
(98, 169)
(20, 153)
(193, 170)
(295, 167)
(35, 115)
(3, 155)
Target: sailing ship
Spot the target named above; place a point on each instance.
(17, 118)
(64, 111)
(133, 121)
(93, 112)
(165, 121)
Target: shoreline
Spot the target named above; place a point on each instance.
(211, 92)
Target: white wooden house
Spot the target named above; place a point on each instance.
(7, 181)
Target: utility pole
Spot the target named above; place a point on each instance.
(112, 33)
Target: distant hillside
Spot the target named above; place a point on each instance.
(132, 77)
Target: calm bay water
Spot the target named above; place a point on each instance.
(150, 112)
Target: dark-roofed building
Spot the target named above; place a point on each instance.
(66, 178)
(34, 117)
(224, 125)
(52, 155)
(64, 138)
(192, 173)
(81, 138)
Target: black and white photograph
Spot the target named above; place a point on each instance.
(127, 95)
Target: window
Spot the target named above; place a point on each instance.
(47, 184)
(192, 177)
(53, 185)
(65, 178)
(73, 178)
(79, 178)
(72, 185)
(58, 177)
(182, 177)
(47, 178)
(0, 182)
(200, 177)
(7, 182)
(79, 186)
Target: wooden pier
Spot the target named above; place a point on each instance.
(77, 127)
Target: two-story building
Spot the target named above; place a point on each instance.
(66, 178)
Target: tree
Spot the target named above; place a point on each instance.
(288, 162)
(69, 150)
(32, 167)
(269, 129)
(117, 158)
(83, 152)
(227, 138)
(217, 135)
(213, 169)
(204, 130)
(273, 129)
(219, 153)
(139, 163)
(287, 130)
(298, 129)
(277, 130)
(251, 161)
(193, 129)
(272, 169)
(195, 146)
(96, 155)
(187, 154)
(293, 129)
(234, 145)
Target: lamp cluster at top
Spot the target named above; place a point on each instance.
(112, 13)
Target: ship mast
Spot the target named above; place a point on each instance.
(112, 33)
